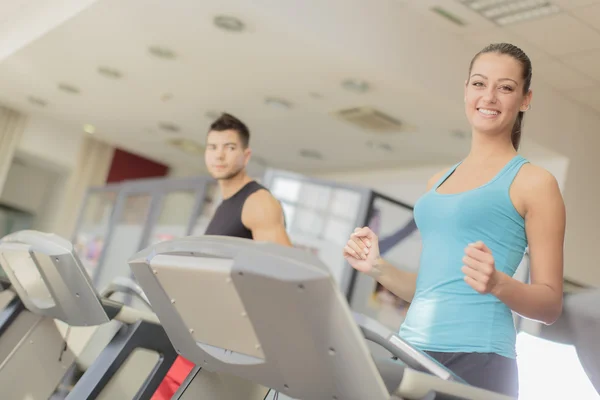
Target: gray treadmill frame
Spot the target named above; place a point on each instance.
(299, 284)
(76, 301)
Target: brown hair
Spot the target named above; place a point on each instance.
(520, 56)
(229, 122)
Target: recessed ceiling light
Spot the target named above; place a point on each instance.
(89, 128)
(65, 87)
(312, 154)
(162, 52)
(37, 101)
(355, 85)
(278, 103)
(505, 12)
(110, 72)
(187, 146)
(169, 127)
(375, 145)
(229, 23)
(212, 115)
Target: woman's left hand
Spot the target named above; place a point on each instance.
(479, 269)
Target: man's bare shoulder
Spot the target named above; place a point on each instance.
(261, 205)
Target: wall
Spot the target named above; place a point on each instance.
(50, 142)
(34, 189)
(27, 187)
(126, 166)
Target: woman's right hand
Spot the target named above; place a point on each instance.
(362, 250)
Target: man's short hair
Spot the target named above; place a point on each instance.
(229, 122)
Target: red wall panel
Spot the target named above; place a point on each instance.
(128, 166)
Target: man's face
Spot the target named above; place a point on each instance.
(225, 155)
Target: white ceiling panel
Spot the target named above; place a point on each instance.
(23, 21)
(497, 35)
(587, 97)
(560, 76)
(571, 4)
(558, 34)
(587, 62)
(590, 15)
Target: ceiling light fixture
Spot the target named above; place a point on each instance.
(278, 103)
(109, 72)
(448, 15)
(372, 144)
(187, 146)
(169, 127)
(89, 128)
(65, 87)
(505, 12)
(37, 101)
(312, 154)
(162, 52)
(228, 23)
(212, 115)
(355, 85)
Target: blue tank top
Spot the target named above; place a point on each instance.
(446, 314)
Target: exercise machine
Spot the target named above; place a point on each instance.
(259, 319)
(52, 284)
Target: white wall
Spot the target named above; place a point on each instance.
(46, 156)
(50, 142)
(26, 187)
(35, 189)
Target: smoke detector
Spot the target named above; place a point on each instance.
(370, 119)
(66, 87)
(109, 72)
(228, 23)
(162, 52)
(37, 101)
(187, 146)
(169, 127)
(310, 153)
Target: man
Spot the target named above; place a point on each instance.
(248, 209)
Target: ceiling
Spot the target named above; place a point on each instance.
(414, 61)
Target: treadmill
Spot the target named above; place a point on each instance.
(259, 319)
(52, 284)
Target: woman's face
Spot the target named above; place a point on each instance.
(494, 93)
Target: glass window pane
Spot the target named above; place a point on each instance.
(286, 189)
(125, 240)
(345, 203)
(315, 196)
(94, 224)
(176, 211)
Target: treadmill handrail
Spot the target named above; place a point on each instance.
(126, 286)
(378, 333)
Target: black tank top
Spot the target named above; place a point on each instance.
(227, 220)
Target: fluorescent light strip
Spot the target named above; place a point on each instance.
(504, 12)
(530, 14)
(513, 7)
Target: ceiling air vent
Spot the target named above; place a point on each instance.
(369, 119)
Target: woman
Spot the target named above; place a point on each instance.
(475, 220)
